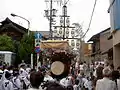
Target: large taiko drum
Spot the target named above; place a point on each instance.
(59, 69)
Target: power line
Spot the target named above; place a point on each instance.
(90, 19)
(111, 5)
(65, 2)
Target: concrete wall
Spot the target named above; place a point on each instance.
(8, 58)
(116, 48)
(105, 44)
(116, 57)
(116, 37)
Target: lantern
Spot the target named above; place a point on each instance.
(61, 21)
(67, 22)
(55, 32)
(72, 44)
(72, 33)
(67, 32)
(77, 43)
(60, 32)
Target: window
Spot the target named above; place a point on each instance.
(2, 56)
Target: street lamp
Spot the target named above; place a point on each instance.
(14, 15)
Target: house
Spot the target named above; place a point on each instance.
(87, 50)
(114, 11)
(101, 46)
(12, 29)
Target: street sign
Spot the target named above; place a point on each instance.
(37, 42)
(37, 49)
(38, 36)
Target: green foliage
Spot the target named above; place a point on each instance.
(6, 43)
(26, 47)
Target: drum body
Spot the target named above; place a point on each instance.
(60, 66)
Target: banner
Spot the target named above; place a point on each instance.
(56, 44)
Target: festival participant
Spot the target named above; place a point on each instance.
(106, 83)
(88, 84)
(23, 75)
(118, 83)
(80, 77)
(7, 84)
(4, 72)
(1, 73)
(115, 76)
(16, 81)
(36, 78)
(76, 86)
(48, 77)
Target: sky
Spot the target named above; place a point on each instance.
(78, 10)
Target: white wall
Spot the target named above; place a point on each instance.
(8, 58)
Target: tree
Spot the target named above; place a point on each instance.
(26, 47)
(6, 43)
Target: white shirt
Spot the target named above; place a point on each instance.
(76, 65)
(3, 76)
(40, 88)
(16, 83)
(6, 85)
(105, 84)
(62, 81)
(1, 72)
(34, 89)
(66, 81)
(28, 70)
(118, 84)
(48, 78)
(88, 84)
(23, 73)
(81, 67)
(76, 87)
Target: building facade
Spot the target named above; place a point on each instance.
(101, 46)
(12, 29)
(114, 11)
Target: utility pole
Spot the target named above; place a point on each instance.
(64, 15)
(50, 18)
(49, 14)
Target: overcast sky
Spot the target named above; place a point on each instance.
(78, 10)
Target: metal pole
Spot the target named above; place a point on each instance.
(51, 18)
(80, 49)
(28, 28)
(37, 61)
(32, 61)
(64, 22)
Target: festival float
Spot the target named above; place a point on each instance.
(59, 54)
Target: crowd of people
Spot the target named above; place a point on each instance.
(82, 76)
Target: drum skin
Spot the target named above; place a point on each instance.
(60, 65)
(57, 68)
(59, 71)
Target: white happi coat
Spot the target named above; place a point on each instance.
(6, 85)
(118, 84)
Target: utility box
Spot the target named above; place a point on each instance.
(7, 56)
